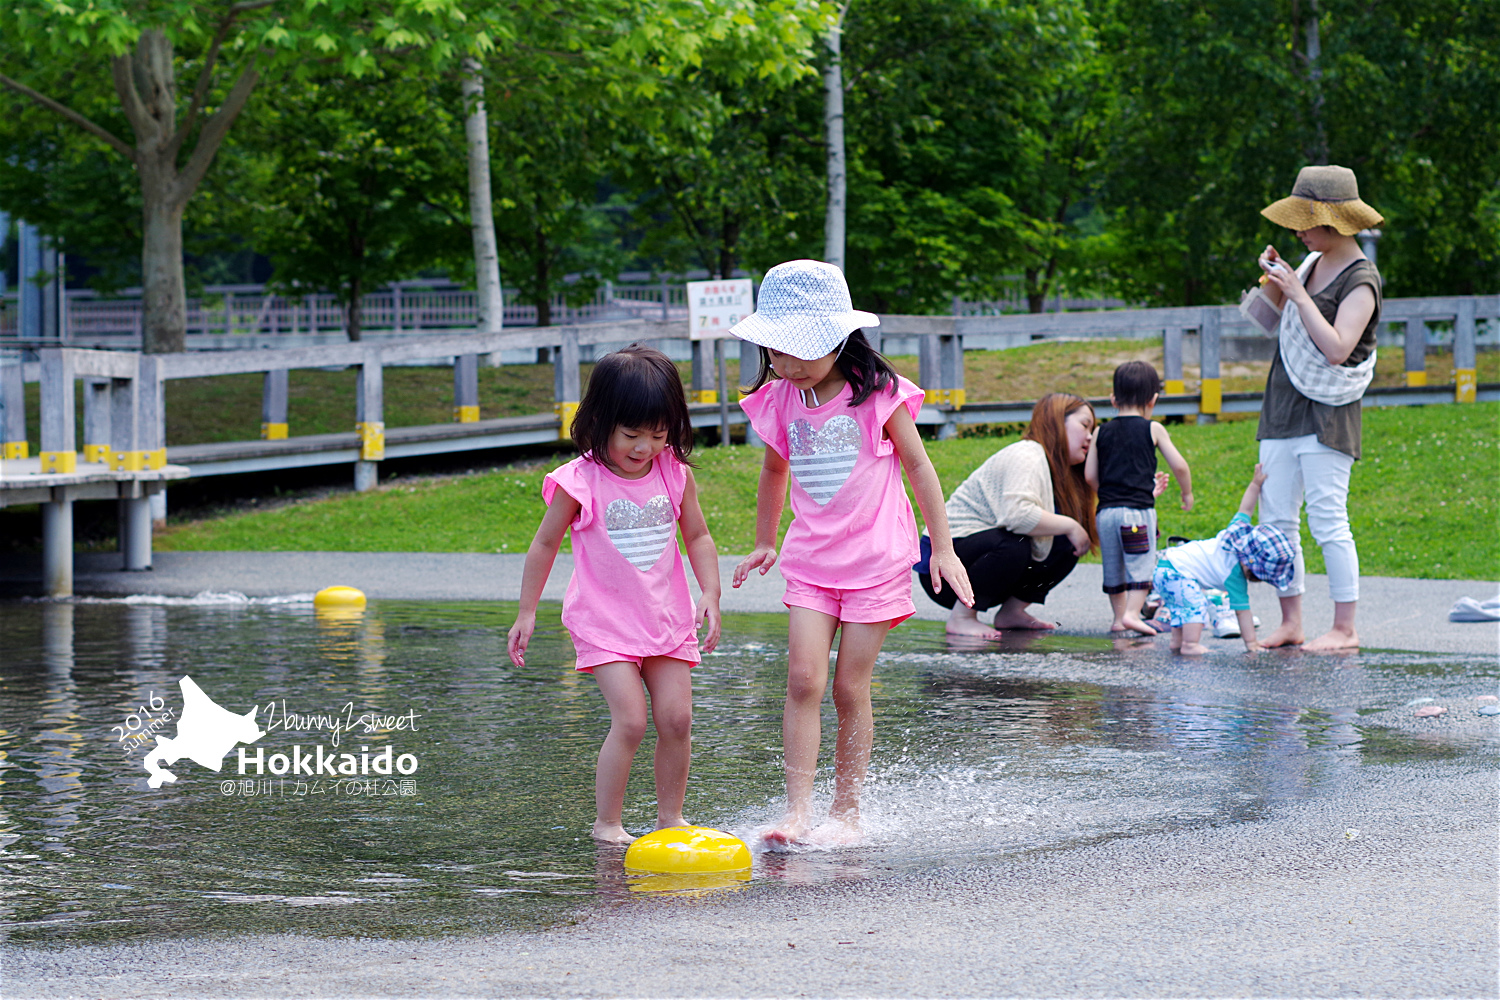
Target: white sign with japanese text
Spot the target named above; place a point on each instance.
(715, 306)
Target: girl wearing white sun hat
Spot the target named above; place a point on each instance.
(839, 426)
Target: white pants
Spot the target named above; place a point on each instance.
(1298, 468)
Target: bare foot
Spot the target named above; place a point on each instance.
(1020, 619)
(1333, 640)
(669, 824)
(1192, 649)
(1136, 625)
(788, 832)
(964, 621)
(1287, 634)
(836, 833)
(611, 833)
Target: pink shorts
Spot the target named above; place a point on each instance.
(886, 602)
(591, 656)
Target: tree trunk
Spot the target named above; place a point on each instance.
(1036, 291)
(481, 210)
(164, 295)
(1318, 152)
(833, 124)
(355, 312)
(541, 272)
(729, 237)
(146, 85)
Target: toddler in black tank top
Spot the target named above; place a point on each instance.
(1121, 467)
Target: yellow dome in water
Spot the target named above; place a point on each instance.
(339, 597)
(688, 849)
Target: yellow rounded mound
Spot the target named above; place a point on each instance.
(688, 849)
(339, 597)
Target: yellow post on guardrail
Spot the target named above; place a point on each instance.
(1465, 365)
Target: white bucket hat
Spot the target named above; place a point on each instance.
(803, 310)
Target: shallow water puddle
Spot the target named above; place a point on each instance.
(410, 781)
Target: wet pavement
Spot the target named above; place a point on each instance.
(1061, 815)
(1394, 613)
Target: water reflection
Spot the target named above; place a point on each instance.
(1041, 741)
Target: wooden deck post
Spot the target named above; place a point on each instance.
(749, 368)
(275, 389)
(12, 410)
(723, 399)
(466, 388)
(950, 391)
(151, 411)
(151, 430)
(703, 375)
(370, 421)
(57, 543)
(129, 451)
(1465, 365)
(940, 361)
(58, 455)
(566, 382)
(59, 448)
(96, 417)
(928, 367)
(1211, 386)
(1171, 351)
(1416, 352)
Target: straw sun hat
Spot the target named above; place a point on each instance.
(1324, 196)
(803, 310)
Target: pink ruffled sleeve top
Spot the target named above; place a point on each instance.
(629, 591)
(852, 522)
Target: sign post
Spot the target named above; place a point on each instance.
(714, 307)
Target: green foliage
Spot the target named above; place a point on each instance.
(1106, 146)
(976, 133)
(358, 182)
(1218, 112)
(300, 38)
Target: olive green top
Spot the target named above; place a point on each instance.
(1285, 412)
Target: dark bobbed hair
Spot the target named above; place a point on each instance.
(1070, 490)
(863, 367)
(1135, 383)
(637, 386)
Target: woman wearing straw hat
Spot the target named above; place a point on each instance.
(1325, 358)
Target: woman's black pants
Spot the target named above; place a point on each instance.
(1000, 567)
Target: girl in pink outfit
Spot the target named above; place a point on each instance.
(627, 606)
(839, 424)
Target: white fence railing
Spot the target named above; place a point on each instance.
(234, 311)
(251, 310)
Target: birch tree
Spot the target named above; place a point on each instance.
(142, 45)
(481, 205)
(833, 128)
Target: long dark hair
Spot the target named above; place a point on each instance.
(634, 387)
(1070, 490)
(863, 367)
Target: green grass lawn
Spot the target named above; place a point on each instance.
(1423, 499)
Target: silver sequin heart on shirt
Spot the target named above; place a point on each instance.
(640, 534)
(822, 459)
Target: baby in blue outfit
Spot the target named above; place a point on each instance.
(1230, 560)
